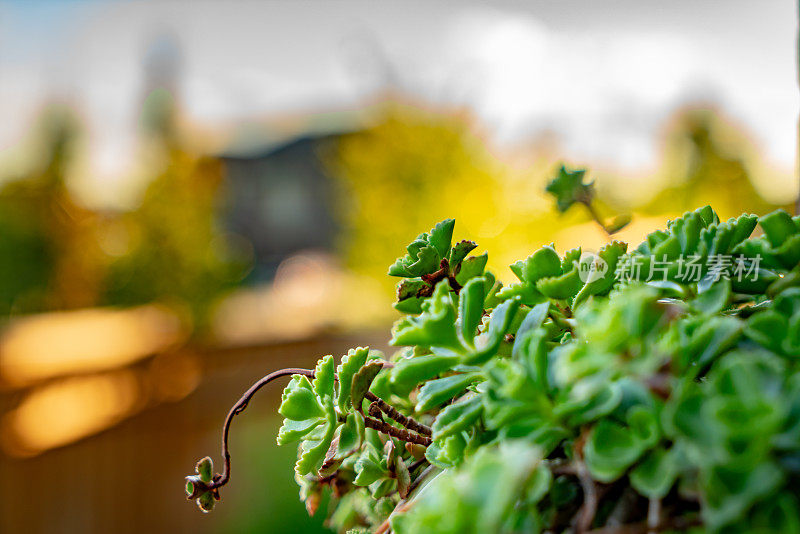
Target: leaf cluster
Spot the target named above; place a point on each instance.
(567, 403)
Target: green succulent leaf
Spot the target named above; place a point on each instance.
(470, 309)
(300, 401)
(488, 343)
(350, 435)
(656, 474)
(437, 392)
(471, 267)
(435, 326)
(441, 236)
(352, 362)
(778, 227)
(460, 251)
(611, 450)
(323, 379)
(369, 467)
(457, 417)
(205, 469)
(715, 299)
(408, 300)
(362, 381)
(206, 501)
(409, 372)
(568, 187)
(314, 450)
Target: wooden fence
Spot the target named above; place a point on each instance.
(129, 477)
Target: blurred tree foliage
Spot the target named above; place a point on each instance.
(177, 251)
(707, 161)
(408, 167)
(413, 166)
(49, 256)
(56, 254)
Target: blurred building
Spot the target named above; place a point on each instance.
(280, 195)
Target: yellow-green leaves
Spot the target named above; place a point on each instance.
(783, 235)
(437, 392)
(655, 475)
(316, 444)
(487, 344)
(714, 299)
(370, 466)
(470, 310)
(543, 263)
(603, 276)
(450, 330)
(308, 408)
(483, 495)
(382, 471)
(460, 251)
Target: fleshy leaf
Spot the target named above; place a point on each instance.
(351, 364)
(489, 342)
(362, 381)
(470, 309)
(299, 401)
(205, 469)
(323, 378)
(656, 473)
(471, 267)
(442, 236)
(457, 417)
(437, 392)
(460, 251)
(409, 372)
(568, 188)
(434, 327)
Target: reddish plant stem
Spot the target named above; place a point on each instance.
(399, 433)
(239, 407)
(653, 516)
(435, 277)
(222, 479)
(405, 504)
(408, 422)
(589, 507)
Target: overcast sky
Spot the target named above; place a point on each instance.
(603, 74)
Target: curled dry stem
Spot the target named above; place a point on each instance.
(220, 480)
(238, 408)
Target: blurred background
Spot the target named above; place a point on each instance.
(195, 194)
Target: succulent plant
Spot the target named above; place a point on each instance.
(660, 392)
